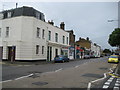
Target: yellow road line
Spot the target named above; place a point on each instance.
(114, 75)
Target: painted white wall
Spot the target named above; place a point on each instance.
(22, 34)
(96, 49)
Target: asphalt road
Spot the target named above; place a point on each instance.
(74, 74)
(11, 72)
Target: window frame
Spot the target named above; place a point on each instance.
(37, 49)
(63, 39)
(49, 35)
(7, 31)
(38, 32)
(43, 33)
(56, 37)
(43, 49)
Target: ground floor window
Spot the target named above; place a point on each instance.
(42, 49)
(37, 49)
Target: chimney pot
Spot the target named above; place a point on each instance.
(62, 25)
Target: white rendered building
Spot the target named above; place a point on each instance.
(95, 50)
(24, 35)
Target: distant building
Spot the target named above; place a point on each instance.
(84, 43)
(95, 50)
(72, 44)
(24, 35)
(85, 46)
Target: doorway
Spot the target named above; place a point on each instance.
(11, 53)
(49, 53)
(56, 52)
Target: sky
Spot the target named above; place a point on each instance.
(87, 19)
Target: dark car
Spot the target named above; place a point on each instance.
(61, 58)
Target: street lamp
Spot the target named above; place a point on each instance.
(112, 20)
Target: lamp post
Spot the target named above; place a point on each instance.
(112, 20)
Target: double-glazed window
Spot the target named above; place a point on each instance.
(67, 40)
(63, 39)
(37, 15)
(56, 37)
(38, 32)
(49, 35)
(7, 31)
(37, 49)
(43, 33)
(42, 49)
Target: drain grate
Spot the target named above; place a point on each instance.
(93, 75)
(103, 68)
(40, 83)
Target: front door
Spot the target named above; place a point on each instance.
(11, 53)
(1, 53)
(56, 52)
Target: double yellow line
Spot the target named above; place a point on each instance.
(114, 75)
(111, 74)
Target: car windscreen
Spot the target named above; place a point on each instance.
(113, 57)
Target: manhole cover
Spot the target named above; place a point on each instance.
(103, 68)
(92, 75)
(40, 83)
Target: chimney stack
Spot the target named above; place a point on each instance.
(80, 38)
(16, 5)
(51, 22)
(87, 38)
(62, 25)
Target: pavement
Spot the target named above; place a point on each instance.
(27, 63)
(118, 72)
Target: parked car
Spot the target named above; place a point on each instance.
(61, 58)
(92, 56)
(113, 59)
(87, 57)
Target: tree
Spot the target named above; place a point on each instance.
(114, 38)
(106, 51)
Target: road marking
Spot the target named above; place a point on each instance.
(116, 84)
(113, 75)
(111, 70)
(108, 83)
(24, 76)
(117, 81)
(5, 81)
(105, 86)
(109, 80)
(58, 70)
(116, 88)
(89, 84)
(17, 78)
(77, 66)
